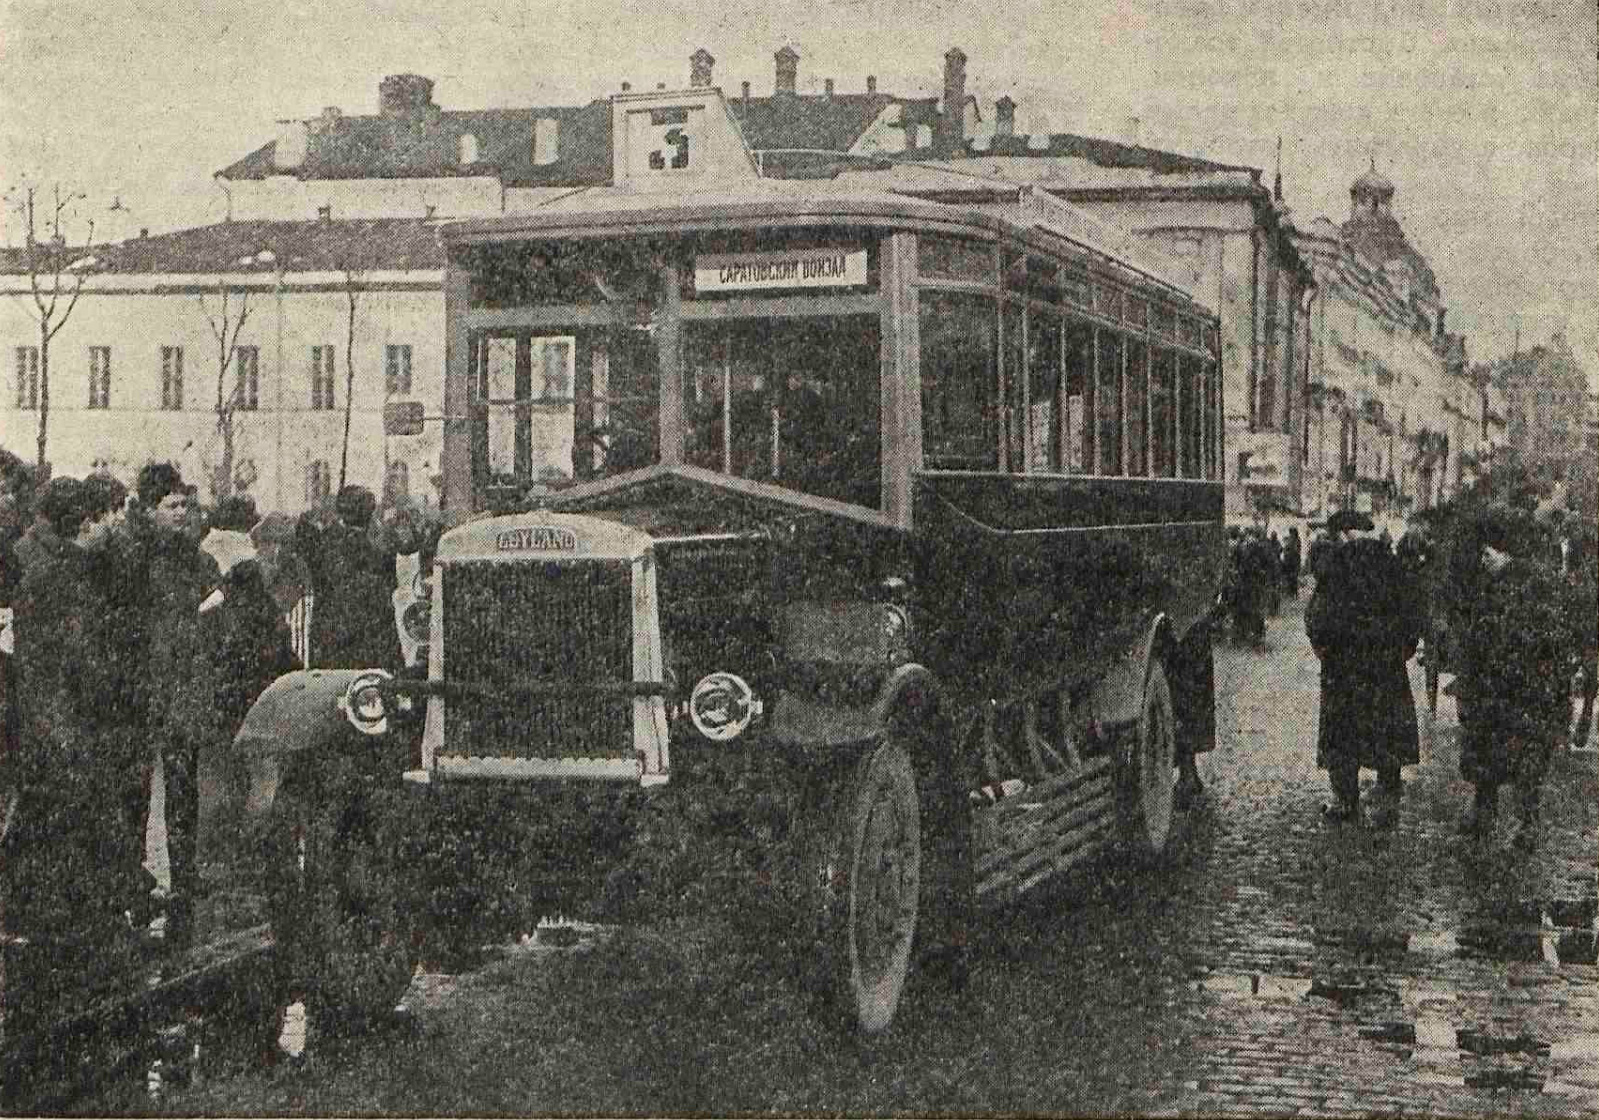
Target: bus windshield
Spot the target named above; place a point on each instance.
(793, 402)
(564, 405)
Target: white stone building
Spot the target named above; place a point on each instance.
(136, 372)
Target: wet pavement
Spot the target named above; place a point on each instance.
(1281, 965)
(1359, 969)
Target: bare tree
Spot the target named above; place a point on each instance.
(353, 260)
(226, 326)
(55, 270)
(352, 290)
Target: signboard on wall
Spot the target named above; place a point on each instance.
(799, 268)
(668, 139)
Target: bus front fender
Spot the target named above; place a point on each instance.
(813, 723)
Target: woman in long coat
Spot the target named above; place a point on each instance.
(1364, 622)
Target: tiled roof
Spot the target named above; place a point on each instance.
(262, 246)
(425, 144)
(792, 120)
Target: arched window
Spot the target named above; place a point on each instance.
(466, 149)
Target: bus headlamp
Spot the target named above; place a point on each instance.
(364, 703)
(416, 618)
(723, 706)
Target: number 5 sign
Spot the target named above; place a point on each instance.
(662, 141)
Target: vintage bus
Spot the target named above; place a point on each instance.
(922, 501)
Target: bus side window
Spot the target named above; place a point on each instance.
(1162, 413)
(1012, 420)
(1077, 417)
(1109, 364)
(959, 381)
(1188, 417)
(1137, 406)
(1043, 392)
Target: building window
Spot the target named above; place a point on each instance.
(247, 381)
(99, 377)
(27, 377)
(321, 378)
(397, 482)
(172, 377)
(546, 140)
(466, 149)
(318, 482)
(397, 366)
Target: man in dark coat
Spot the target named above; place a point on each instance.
(71, 868)
(1516, 653)
(1364, 623)
(352, 578)
(178, 577)
(1293, 556)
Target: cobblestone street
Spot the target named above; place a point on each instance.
(1345, 970)
(1279, 965)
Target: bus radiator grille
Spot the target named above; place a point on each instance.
(547, 622)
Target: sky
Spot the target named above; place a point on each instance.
(1484, 113)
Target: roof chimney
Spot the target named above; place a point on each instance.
(699, 68)
(1005, 116)
(404, 95)
(626, 86)
(952, 123)
(871, 83)
(1135, 132)
(827, 89)
(744, 90)
(787, 70)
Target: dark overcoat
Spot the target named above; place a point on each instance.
(352, 578)
(1364, 622)
(1514, 686)
(70, 863)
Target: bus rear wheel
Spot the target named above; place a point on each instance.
(866, 868)
(1152, 773)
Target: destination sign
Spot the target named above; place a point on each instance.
(804, 268)
(537, 538)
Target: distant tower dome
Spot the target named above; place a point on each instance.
(1372, 191)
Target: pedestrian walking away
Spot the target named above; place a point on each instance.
(1518, 650)
(1364, 624)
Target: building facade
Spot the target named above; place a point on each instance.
(1391, 404)
(236, 351)
(1547, 399)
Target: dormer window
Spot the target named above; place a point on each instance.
(924, 136)
(466, 149)
(546, 140)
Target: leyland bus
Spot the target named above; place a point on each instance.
(920, 501)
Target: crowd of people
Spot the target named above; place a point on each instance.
(1262, 569)
(142, 627)
(1503, 598)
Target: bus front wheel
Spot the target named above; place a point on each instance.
(1151, 777)
(866, 868)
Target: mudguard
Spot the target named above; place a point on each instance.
(298, 713)
(806, 722)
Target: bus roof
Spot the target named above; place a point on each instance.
(1013, 209)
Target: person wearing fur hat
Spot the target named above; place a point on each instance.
(1517, 650)
(1364, 623)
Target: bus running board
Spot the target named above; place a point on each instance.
(1023, 839)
